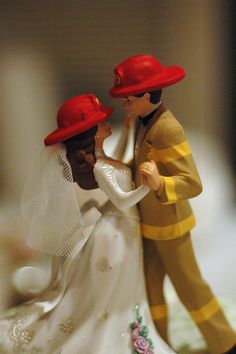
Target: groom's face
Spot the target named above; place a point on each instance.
(137, 106)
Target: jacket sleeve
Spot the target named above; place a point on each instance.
(106, 179)
(179, 175)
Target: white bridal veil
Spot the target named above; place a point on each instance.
(51, 214)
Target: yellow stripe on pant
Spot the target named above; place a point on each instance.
(159, 311)
(205, 312)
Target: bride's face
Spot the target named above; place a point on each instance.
(104, 130)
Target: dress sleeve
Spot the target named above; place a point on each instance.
(106, 178)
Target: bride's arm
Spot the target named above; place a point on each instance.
(106, 180)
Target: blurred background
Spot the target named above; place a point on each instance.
(53, 50)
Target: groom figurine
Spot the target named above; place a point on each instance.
(163, 160)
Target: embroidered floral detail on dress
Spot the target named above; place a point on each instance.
(18, 335)
(67, 326)
(103, 265)
(35, 350)
(122, 334)
(142, 344)
(102, 316)
(59, 351)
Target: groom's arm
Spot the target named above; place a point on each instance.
(180, 180)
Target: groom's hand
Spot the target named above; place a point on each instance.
(150, 175)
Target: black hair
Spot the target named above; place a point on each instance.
(82, 139)
(155, 96)
(76, 147)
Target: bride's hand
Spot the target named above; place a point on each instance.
(144, 180)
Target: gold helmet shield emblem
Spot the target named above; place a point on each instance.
(97, 101)
(117, 80)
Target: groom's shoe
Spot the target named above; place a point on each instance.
(232, 350)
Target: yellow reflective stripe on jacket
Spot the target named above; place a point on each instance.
(173, 153)
(205, 312)
(169, 185)
(170, 231)
(159, 311)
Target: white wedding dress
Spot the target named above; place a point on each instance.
(105, 292)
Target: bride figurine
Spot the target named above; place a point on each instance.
(96, 302)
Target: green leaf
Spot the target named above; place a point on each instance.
(144, 331)
(132, 325)
(150, 343)
(140, 320)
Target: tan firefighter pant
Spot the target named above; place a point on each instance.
(176, 258)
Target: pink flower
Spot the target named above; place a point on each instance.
(149, 351)
(141, 345)
(135, 333)
(136, 323)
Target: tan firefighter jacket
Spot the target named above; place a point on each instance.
(166, 214)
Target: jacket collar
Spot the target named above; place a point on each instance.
(161, 109)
